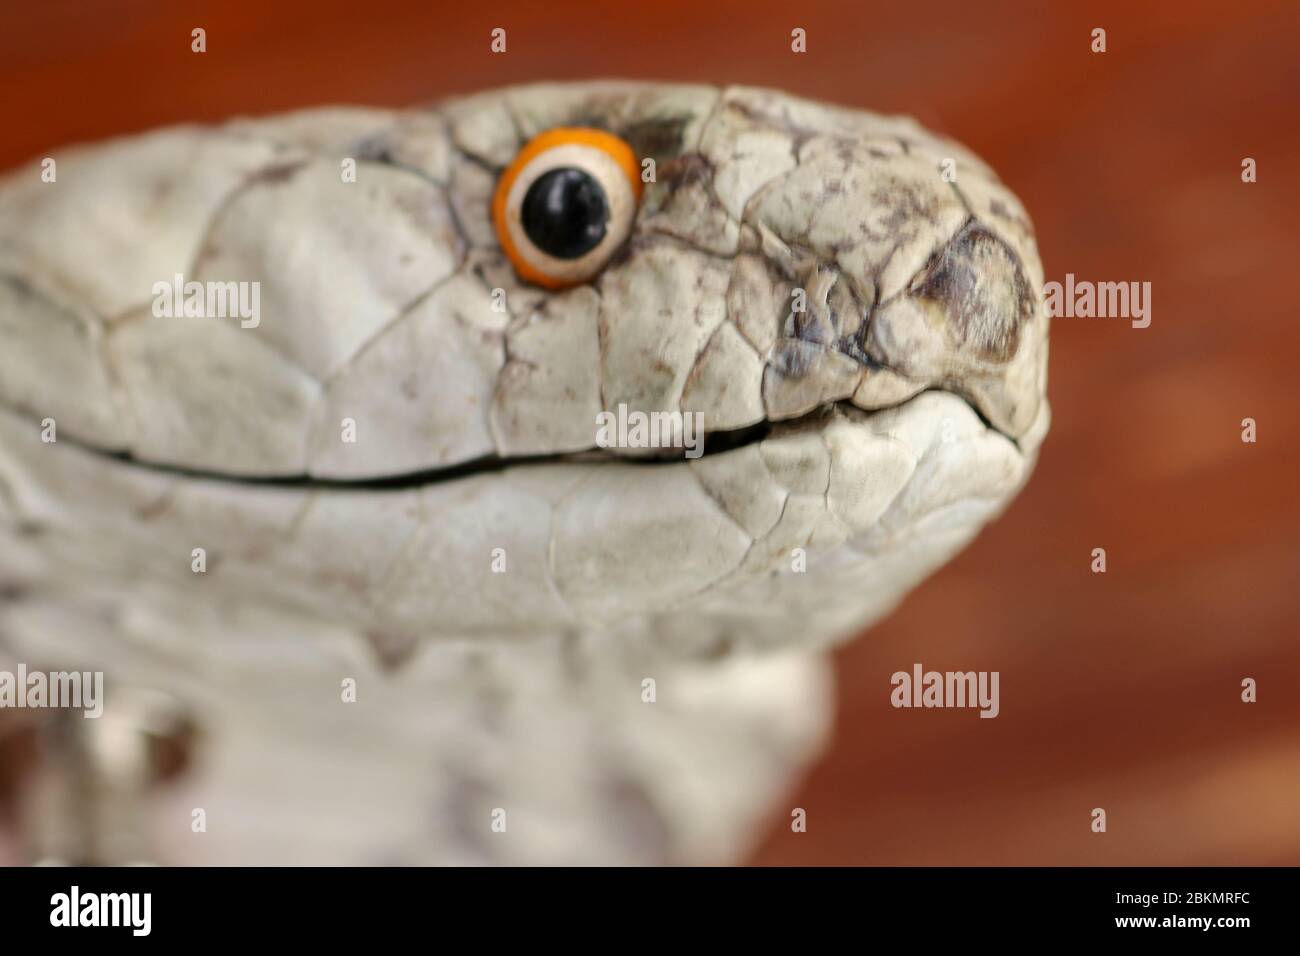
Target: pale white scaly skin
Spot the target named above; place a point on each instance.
(908, 402)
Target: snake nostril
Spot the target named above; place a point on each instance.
(978, 281)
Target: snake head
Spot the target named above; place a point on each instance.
(331, 394)
(847, 305)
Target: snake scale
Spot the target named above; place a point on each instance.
(558, 652)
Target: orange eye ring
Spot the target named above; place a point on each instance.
(605, 158)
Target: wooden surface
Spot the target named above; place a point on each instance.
(1118, 690)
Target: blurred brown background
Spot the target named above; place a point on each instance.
(1119, 690)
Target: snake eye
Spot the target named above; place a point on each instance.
(565, 205)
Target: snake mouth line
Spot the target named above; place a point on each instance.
(714, 443)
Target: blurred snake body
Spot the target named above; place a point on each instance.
(557, 651)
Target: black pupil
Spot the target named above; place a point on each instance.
(565, 213)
